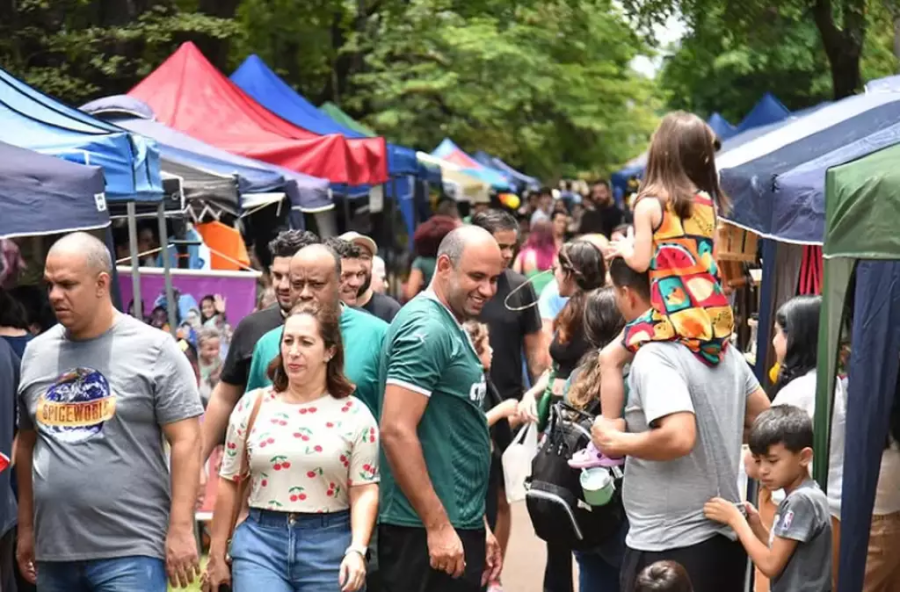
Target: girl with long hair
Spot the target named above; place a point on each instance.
(310, 452)
(537, 255)
(426, 240)
(674, 230)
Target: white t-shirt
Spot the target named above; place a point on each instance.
(801, 392)
(303, 457)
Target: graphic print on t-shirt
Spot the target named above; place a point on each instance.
(76, 406)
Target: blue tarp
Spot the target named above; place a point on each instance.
(767, 110)
(256, 79)
(519, 180)
(889, 84)
(449, 151)
(870, 396)
(721, 126)
(304, 192)
(777, 181)
(35, 121)
(41, 194)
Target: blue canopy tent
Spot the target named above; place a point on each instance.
(776, 181)
(767, 110)
(35, 121)
(721, 126)
(41, 194)
(520, 181)
(306, 193)
(449, 151)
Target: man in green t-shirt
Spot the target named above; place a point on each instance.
(435, 442)
(314, 284)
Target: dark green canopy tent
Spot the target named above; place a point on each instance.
(862, 247)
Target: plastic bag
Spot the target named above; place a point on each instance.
(516, 462)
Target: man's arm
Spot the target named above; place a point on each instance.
(537, 352)
(181, 547)
(24, 458)
(402, 411)
(221, 403)
(672, 437)
(757, 402)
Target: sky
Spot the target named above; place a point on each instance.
(669, 33)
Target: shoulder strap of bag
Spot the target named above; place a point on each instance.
(244, 473)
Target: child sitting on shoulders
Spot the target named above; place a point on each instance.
(796, 555)
(663, 576)
(675, 222)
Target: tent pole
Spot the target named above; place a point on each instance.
(114, 278)
(346, 199)
(167, 270)
(393, 235)
(135, 262)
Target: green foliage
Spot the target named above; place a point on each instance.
(547, 86)
(65, 49)
(724, 65)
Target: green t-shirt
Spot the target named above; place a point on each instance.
(362, 335)
(426, 265)
(427, 351)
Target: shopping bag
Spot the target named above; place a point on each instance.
(516, 462)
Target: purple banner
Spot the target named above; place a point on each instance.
(237, 287)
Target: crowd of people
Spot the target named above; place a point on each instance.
(361, 440)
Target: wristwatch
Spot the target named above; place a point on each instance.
(362, 550)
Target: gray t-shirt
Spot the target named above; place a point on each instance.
(803, 516)
(664, 500)
(101, 480)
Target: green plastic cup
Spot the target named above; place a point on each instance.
(598, 486)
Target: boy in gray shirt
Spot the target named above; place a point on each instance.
(796, 555)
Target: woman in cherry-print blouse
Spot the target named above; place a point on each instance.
(313, 464)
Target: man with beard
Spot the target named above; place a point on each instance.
(315, 284)
(437, 452)
(603, 214)
(382, 306)
(235, 371)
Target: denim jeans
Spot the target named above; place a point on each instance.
(281, 552)
(598, 569)
(119, 574)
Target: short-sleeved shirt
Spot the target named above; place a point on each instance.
(101, 479)
(507, 329)
(383, 307)
(249, 331)
(304, 457)
(362, 335)
(803, 517)
(664, 500)
(428, 352)
(550, 303)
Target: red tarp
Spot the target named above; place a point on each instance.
(190, 95)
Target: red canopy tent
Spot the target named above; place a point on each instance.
(188, 93)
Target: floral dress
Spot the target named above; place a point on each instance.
(303, 457)
(688, 304)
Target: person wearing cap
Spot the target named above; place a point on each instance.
(382, 306)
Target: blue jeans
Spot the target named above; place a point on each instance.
(120, 574)
(598, 569)
(281, 552)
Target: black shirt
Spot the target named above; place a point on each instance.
(236, 369)
(9, 384)
(383, 307)
(508, 329)
(602, 220)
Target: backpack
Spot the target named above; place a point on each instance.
(554, 496)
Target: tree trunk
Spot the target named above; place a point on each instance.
(843, 45)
